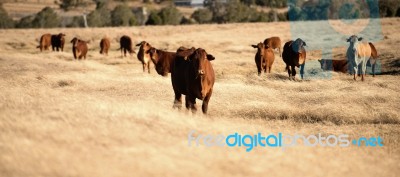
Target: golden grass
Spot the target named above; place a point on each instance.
(104, 117)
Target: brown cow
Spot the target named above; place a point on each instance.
(104, 46)
(57, 41)
(45, 42)
(125, 43)
(162, 60)
(274, 43)
(143, 55)
(192, 75)
(79, 48)
(264, 58)
(334, 65)
(294, 55)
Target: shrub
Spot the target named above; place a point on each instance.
(5, 20)
(122, 16)
(170, 16)
(99, 18)
(25, 22)
(46, 18)
(202, 16)
(154, 19)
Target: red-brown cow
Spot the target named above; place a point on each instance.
(79, 48)
(143, 55)
(45, 42)
(334, 65)
(264, 58)
(162, 60)
(192, 75)
(104, 46)
(274, 43)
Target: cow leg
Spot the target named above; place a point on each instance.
(204, 107)
(124, 52)
(355, 72)
(177, 101)
(148, 67)
(302, 70)
(288, 70)
(144, 67)
(364, 69)
(258, 68)
(293, 72)
(192, 103)
(373, 63)
(280, 53)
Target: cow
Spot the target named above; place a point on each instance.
(192, 75)
(274, 43)
(104, 46)
(334, 65)
(57, 42)
(264, 58)
(162, 60)
(294, 54)
(125, 43)
(143, 55)
(358, 53)
(45, 42)
(79, 48)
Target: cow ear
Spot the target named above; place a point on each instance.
(304, 44)
(210, 57)
(254, 46)
(139, 44)
(348, 39)
(360, 38)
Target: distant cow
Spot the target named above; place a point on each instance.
(79, 48)
(162, 60)
(104, 46)
(274, 43)
(125, 43)
(294, 54)
(334, 65)
(45, 42)
(264, 58)
(57, 42)
(143, 55)
(359, 53)
(192, 75)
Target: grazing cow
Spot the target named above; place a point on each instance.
(293, 55)
(104, 46)
(79, 48)
(162, 60)
(274, 43)
(57, 42)
(264, 58)
(143, 55)
(334, 65)
(359, 53)
(192, 75)
(45, 42)
(125, 43)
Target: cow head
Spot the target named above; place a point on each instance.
(153, 55)
(199, 59)
(298, 45)
(145, 46)
(260, 48)
(61, 35)
(74, 41)
(354, 41)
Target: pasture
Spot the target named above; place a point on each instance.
(104, 117)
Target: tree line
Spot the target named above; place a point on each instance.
(214, 11)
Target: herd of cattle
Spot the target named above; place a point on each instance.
(192, 73)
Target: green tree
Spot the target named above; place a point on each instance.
(202, 16)
(122, 16)
(46, 18)
(5, 20)
(25, 22)
(154, 19)
(170, 16)
(99, 18)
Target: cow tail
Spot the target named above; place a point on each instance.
(374, 52)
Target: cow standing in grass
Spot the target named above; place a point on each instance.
(125, 43)
(79, 48)
(45, 42)
(264, 58)
(104, 46)
(162, 60)
(294, 54)
(144, 56)
(358, 53)
(274, 43)
(57, 42)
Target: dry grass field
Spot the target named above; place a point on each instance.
(104, 117)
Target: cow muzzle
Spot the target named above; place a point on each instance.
(200, 72)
